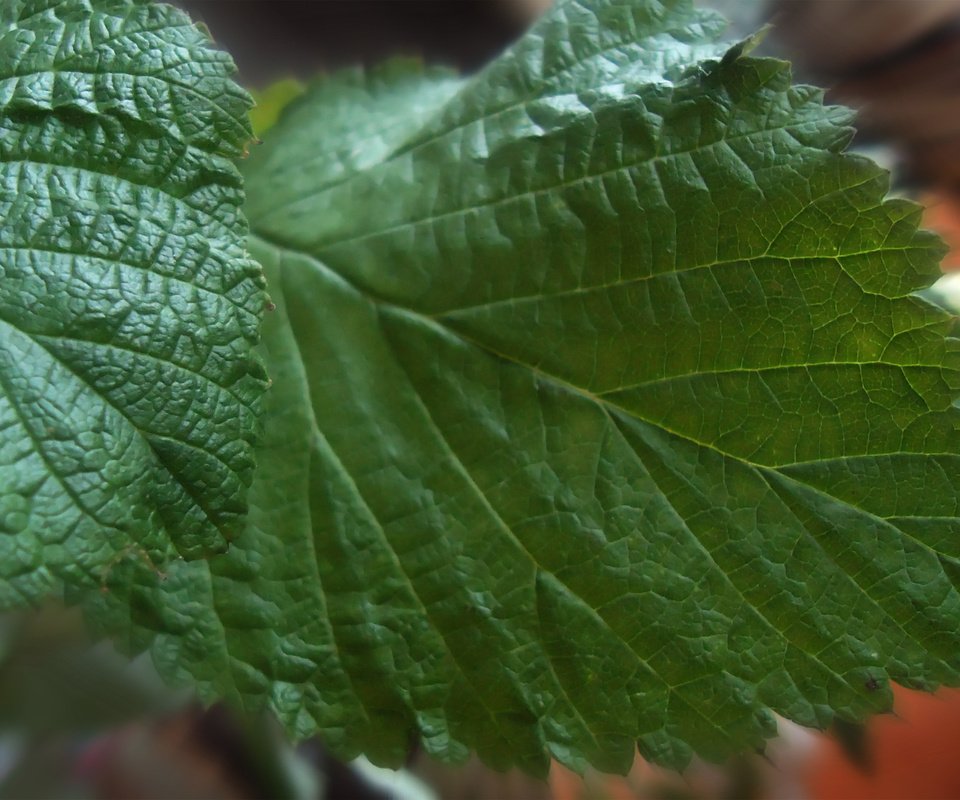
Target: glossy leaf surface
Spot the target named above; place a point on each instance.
(604, 413)
(128, 304)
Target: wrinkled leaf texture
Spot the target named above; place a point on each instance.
(604, 414)
(129, 306)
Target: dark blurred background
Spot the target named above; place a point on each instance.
(271, 39)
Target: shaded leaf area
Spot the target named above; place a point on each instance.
(129, 306)
(604, 415)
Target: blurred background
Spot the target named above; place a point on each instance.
(79, 721)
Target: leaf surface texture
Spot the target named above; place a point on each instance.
(129, 306)
(604, 414)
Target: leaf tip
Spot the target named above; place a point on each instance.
(746, 46)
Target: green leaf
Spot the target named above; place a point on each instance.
(271, 101)
(128, 303)
(604, 415)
